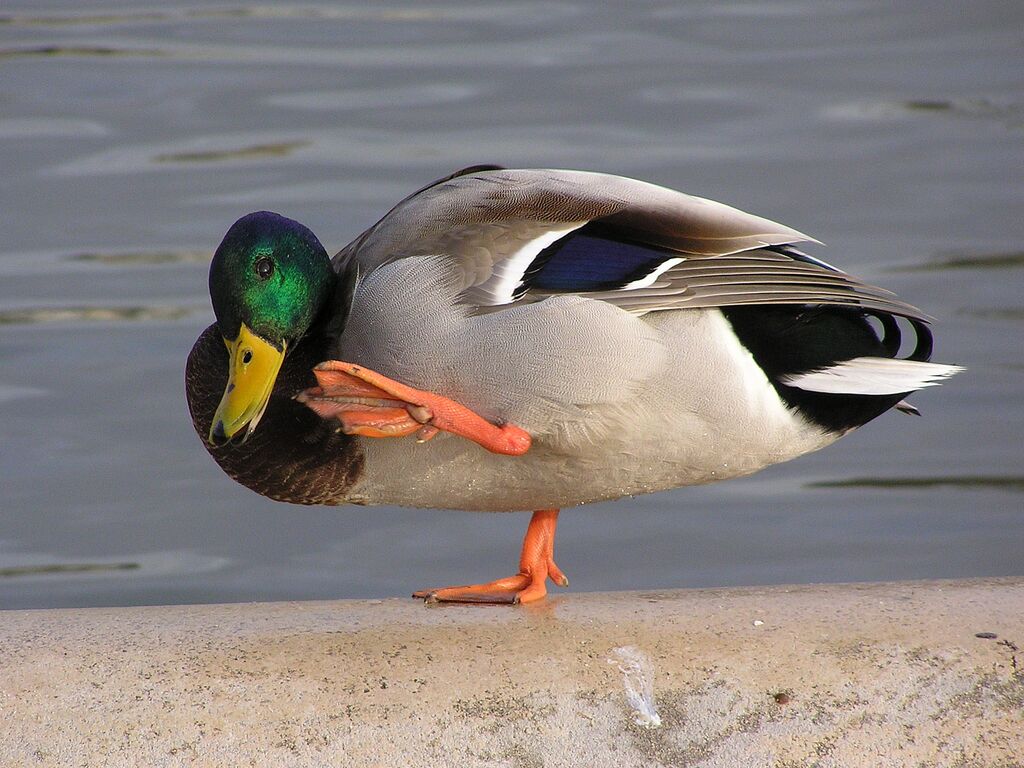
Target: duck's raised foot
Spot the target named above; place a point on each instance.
(536, 565)
(370, 404)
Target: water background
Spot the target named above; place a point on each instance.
(132, 136)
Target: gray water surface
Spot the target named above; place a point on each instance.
(131, 138)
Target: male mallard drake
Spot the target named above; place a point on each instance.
(535, 339)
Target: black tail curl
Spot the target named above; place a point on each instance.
(792, 339)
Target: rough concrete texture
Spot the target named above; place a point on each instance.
(848, 675)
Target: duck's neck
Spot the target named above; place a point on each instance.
(293, 455)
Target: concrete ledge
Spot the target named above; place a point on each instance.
(847, 675)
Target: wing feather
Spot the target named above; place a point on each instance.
(499, 229)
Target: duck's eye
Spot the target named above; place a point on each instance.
(264, 268)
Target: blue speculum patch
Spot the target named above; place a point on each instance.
(583, 262)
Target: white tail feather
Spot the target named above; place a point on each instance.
(872, 376)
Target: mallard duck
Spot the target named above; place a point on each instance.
(536, 339)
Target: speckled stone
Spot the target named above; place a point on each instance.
(842, 675)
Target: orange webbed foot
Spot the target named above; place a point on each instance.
(370, 404)
(536, 565)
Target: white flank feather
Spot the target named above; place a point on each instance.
(872, 376)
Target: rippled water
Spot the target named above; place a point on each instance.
(131, 138)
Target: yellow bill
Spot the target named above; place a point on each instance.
(253, 364)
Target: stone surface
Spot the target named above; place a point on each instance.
(839, 675)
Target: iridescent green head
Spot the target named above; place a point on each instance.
(272, 274)
(269, 279)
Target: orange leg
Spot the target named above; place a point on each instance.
(363, 419)
(536, 565)
(368, 403)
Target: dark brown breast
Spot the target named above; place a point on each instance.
(293, 455)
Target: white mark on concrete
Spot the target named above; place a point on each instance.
(638, 680)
